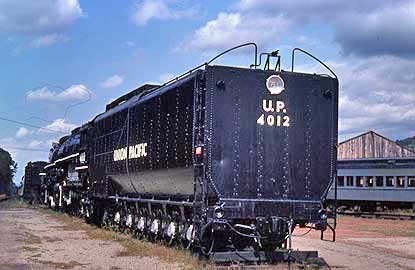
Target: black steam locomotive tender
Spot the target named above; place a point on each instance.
(220, 159)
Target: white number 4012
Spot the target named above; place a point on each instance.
(274, 120)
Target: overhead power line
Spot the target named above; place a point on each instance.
(30, 125)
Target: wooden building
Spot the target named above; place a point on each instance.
(372, 145)
(374, 172)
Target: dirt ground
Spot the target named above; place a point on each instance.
(42, 239)
(365, 244)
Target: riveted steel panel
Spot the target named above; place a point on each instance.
(289, 156)
(163, 122)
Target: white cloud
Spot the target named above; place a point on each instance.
(39, 42)
(78, 91)
(376, 93)
(21, 16)
(153, 83)
(161, 10)
(34, 144)
(128, 43)
(388, 28)
(47, 40)
(75, 92)
(112, 81)
(22, 132)
(165, 77)
(379, 94)
(59, 124)
(230, 29)
(360, 27)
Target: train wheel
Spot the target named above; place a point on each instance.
(182, 243)
(155, 227)
(169, 230)
(116, 221)
(188, 235)
(138, 228)
(123, 222)
(165, 222)
(141, 224)
(105, 220)
(88, 214)
(129, 223)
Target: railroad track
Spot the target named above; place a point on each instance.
(378, 215)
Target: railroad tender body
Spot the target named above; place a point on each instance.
(223, 158)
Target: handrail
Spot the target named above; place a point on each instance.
(234, 48)
(312, 56)
(207, 63)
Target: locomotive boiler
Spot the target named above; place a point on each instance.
(219, 159)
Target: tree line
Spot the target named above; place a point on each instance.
(8, 168)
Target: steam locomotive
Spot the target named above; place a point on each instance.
(31, 181)
(219, 159)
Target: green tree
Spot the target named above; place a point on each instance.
(8, 168)
(408, 143)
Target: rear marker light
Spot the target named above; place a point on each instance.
(275, 84)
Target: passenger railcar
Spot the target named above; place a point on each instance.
(218, 159)
(375, 184)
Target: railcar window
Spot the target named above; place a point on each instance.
(390, 181)
(411, 181)
(349, 180)
(400, 183)
(359, 181)
(340, 181)
(369, 181)
(379, 181)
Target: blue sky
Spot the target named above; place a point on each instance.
(56, 53)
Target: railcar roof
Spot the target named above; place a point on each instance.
(390, 160)
(138, 99)
(129, 95)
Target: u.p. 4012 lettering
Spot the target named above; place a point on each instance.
(275, 114)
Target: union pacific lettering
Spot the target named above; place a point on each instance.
(131, 152)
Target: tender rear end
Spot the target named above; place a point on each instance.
(270, 143)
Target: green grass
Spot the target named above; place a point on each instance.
(13, 203)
